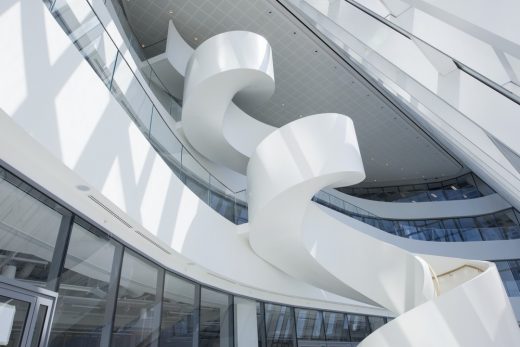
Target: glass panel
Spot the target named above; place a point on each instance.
(359, 328)
(260, 324)
(336, 326)
(28, 232)
(131, 95)
(510, 273)
(468, 229)
(279, 326)
(178, 312)
(376, 322)
(165, 142)
(309, 324)
(18, 310)
(216, 319)
(38, 325)
(136, 303)
(82, 299)
(197, 178)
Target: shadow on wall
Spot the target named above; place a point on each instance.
(51, 92)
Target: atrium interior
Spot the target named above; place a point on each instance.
(271, 173)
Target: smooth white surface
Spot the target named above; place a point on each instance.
(246, 328)
(289, 231)
(63, 128)
(7, 313)
(236, 64)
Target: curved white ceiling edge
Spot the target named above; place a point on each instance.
(233, 64)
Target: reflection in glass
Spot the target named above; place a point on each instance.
(309, 324)
(376, 322)
(82, 299)
(28, 232)
(216, 319)
(38, 326)
(20, 310)
(137, 304)
(336, 326)
(358, 326)
(178, 312)
(510, 273)
(279, 326)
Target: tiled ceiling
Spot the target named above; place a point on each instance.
(309, 80)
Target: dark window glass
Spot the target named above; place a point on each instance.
(178, 312)
(260, 324)
(309, 324)
(84, 284)
(376, 322)
(358, 326)
(38, 326)
(510, 273)
(279, 325)
(137, 304)
(469, 229)
(336, 326)
(216, 319)
(28, 232)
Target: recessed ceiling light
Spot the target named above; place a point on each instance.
(196, 38)
(301, 116)
(170, 11)
(83, 187)
(142, 45)
(283, 105)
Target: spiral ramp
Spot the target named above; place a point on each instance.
(438, 301)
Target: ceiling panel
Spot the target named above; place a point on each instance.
(309, 80)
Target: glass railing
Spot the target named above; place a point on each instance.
(335, 203)
(502, 225)
(80, 22)
(486, 69)
(467, 186)
(510, 273)
(410, 94)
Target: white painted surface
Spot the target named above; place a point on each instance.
(234, 64)
(7, 313)
(62, 128)
(246, 328)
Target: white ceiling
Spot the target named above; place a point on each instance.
(309, 79)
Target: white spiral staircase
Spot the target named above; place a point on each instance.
(438, 301)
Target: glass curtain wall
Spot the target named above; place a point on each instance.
(138, 303)
(29, 228)
(467, 186)
(109, 292)
(502, 225)
(216, 319)
(179, 312)
(84, 287)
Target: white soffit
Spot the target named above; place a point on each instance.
(309, 80)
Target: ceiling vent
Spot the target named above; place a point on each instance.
(128, 225)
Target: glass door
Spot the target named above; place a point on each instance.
(25, 315)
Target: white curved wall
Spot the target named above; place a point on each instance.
(63, 128)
